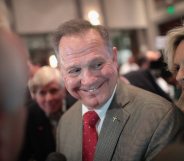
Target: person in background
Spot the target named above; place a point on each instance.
(174, 57)
(146, 78)
(35, 62)
(48, 91)
(129, 66)
(33, 68)
(13, 80)
(37, 59)
(111, 120)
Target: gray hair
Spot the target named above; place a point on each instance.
(79, 26)
(42, 77)
(174, 37)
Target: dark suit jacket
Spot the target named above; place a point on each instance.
(146, 123)
(145, 80)
(174, 152)
(39, 139)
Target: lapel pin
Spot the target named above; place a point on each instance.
(115, 119)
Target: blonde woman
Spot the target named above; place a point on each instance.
(48, 91)
(174, 56)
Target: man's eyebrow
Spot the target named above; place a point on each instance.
(72, 67)
(96, 60)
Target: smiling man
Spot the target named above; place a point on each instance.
(92, 78)
(111, 120)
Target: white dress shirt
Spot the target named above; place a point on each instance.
(100, 111)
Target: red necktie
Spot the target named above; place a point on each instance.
(90, 135)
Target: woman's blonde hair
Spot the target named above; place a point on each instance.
(173, 39)
(42, 77)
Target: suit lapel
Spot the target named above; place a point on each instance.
(76, 141)
(115, 120)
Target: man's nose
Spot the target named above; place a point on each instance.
(88, 77)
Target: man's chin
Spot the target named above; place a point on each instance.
(91, 104)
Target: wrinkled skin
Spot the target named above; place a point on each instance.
(88, 67)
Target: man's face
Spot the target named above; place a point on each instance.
(89, 70)
(49, 97)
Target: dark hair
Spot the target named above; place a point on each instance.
(78, 26)
(39, 57)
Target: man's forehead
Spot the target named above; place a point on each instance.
(79, 43)
(88, 35)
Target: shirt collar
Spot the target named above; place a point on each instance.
(102, 110)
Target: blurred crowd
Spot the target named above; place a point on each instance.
(149, 71)
(34, 96)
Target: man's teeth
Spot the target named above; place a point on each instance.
(92, 90)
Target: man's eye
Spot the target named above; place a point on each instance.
(74, 71)
(98, 65)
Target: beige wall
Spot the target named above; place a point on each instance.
(125, 14)
(40, 16)
(160, 15)
(156, 16)
(35, 16)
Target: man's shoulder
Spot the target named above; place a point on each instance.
(142, 99)
(147, 105)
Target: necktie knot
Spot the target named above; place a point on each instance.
(91, 118)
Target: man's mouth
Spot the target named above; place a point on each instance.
(92, 89)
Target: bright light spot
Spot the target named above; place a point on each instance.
(94, 17)
(53, 61)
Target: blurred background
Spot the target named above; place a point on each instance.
(137, 27)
